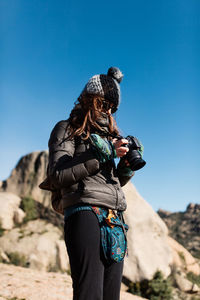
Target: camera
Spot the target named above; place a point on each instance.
(134, 156)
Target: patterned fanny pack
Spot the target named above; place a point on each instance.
(113, 231)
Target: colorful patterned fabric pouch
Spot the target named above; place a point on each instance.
(112, 228)
(113, 234)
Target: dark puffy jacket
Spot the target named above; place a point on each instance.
(75, 171)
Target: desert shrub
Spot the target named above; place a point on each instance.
(53, 268)
(15, 298)
(28, 205)
(69, 272)
(1, 230)
(156, 289)
(193, 278)
(136, 288)
(17, 259)
(181, 255)
(196, 254)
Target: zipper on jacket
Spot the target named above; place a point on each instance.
(117, 196)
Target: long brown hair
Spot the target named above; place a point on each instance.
(87, 110)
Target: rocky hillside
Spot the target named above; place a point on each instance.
(31, 236)
(145, 226)
(184, 227)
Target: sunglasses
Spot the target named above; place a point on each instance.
(107, 105)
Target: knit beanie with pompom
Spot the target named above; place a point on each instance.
(106, 86)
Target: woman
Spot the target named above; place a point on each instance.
(81, 167)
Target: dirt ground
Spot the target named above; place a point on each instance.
(17, 283)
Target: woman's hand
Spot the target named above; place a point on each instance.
(120, 150)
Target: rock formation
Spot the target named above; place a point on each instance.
(27, 175)
(182, 258)
(39, 244)
(148, 248)
(10, 213)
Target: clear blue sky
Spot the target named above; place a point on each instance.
(49, 49)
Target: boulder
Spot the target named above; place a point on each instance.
(182, 258)
(184, 284)
(39, 242)
(34, 262)
(62, 257)
(3, 257)
(19, 215)
(148, 249)
(9, 204)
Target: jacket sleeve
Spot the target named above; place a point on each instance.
(66, 168)
(124, 173)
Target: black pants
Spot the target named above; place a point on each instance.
(93, 278)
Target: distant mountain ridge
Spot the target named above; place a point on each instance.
(184, 227)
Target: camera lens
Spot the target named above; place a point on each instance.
(133, 156)
(135, 160)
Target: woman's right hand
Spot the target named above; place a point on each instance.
(120, 150)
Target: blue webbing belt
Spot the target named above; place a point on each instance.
(71, 210)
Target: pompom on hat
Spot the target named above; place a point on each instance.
(106, 86)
